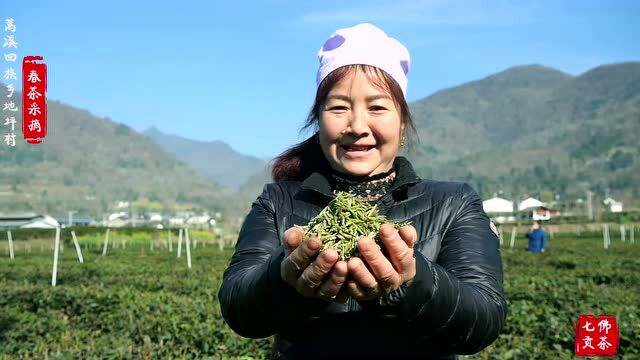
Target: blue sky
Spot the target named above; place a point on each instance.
(244, 72)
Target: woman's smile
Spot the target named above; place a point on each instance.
(357, 151)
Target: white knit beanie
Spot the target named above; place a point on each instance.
(368, 45)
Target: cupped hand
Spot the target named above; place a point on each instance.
(311, 272)
(376, 275)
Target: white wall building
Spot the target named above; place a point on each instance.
(529, 203)
(497, 205)
(614, 206)
(28, 220)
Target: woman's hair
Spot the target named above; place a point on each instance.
(302, 159)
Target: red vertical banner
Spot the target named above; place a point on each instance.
(34, 104)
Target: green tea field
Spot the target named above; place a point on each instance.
(139, 302)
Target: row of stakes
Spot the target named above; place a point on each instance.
(606, 238)
(57, 247)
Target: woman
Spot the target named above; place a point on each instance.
(437, 293)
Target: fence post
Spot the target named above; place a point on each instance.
(11, 252)
(180, 242)
(75, 242)
(186, 230)
(56, 249)
(106, 243)
(514, 231)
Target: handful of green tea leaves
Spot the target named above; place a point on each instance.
(343, 222)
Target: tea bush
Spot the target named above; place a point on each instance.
(142, 303)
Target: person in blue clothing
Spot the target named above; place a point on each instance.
(537, 238)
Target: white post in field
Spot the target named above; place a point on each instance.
(631, 240)
(604, 236)
(78, 251)
(514, 232)
(552, 232)
(56, 249)
(186, 232)
(170, 242)
(106, 243)
(11, 252)
(622, 233)
(180, 243)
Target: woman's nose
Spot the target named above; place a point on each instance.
(358, 123)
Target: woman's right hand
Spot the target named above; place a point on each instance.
(311, 272)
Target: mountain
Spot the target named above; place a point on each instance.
(87, 163)
(213, 159)
(530, 129)
(253, 186)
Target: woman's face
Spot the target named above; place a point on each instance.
(360, 127)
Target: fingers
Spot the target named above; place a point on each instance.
(362, 284)
(399, 245)
(292, 238)
(314, 274)
(380, 266)
(409, 234)
(299, 260)
(302, 256)
(330, 288)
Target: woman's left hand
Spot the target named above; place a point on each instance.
(386, 275)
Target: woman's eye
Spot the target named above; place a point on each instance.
(338, 108)
(378, 108)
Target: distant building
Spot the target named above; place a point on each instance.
(76, 221)
(122, 204)
(176, 221)
(497, 205)
(201, 221)
(614, 206)
(529, 203)
(28, 220)
(119, 219)
(539, 213)
(500, 210)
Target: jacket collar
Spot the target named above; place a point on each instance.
(405, 176)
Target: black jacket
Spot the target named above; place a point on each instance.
(454, 305)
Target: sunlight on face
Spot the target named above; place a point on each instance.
(360, 127)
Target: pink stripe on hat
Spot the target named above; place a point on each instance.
(368, 45)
